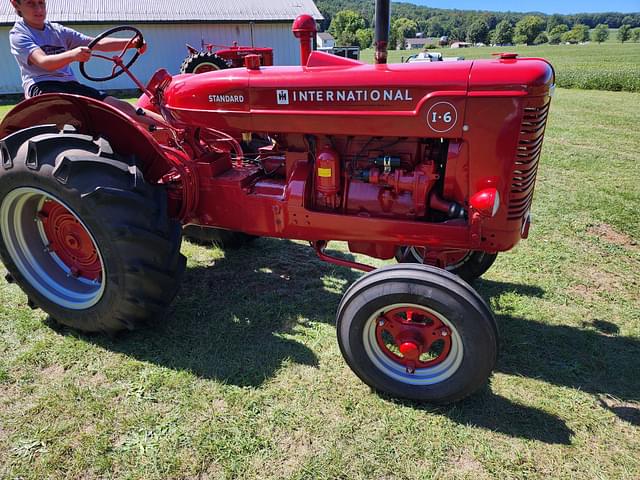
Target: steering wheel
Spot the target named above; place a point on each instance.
(119, 67)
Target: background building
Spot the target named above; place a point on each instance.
(167, 26)
(414, 43)
(325, 40)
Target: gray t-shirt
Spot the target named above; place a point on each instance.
(53, 39)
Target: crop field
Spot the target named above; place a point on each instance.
(243, 377)
(609, 66)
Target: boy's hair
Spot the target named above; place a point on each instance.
(14, 2)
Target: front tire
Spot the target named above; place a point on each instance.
(417, 332)
(82, 233)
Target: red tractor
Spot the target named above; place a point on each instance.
(431, 163)
(210, 59)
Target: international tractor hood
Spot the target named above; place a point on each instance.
(409, 99)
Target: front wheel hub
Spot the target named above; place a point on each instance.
(413, 337)
(413, 343)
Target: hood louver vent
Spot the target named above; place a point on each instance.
(525, 166)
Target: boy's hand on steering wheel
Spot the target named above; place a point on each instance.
(138, 43)
(81, 54)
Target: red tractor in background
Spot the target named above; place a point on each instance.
(210, 59)
(431, 163)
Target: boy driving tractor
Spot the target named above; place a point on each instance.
(45, 51)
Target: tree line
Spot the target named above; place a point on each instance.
(351, 22)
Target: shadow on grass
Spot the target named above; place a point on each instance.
(230, 323)
(487, 410)
(593, 359)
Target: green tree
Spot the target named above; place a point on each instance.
(503, 34)
(477, 32)
(364, 37)
(628, 20)
(567, 37)
(600, 33)
(555, 20)
(556, 33)
(624, 32)
(401, 28)
(344, 26)
(528, 29)
(580, 32)
(435, 28)
(635, 35)
(541, 38)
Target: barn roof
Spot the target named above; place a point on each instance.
(161, 11)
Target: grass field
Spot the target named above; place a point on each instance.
(609, 66)
(244, 378)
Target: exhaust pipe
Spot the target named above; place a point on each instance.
(383, 18)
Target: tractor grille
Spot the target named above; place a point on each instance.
(525, 166)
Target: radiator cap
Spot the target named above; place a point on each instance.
(506, 55)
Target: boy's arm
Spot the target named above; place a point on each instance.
(58, 60)
(110, 44)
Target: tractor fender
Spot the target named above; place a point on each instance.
(95, 118)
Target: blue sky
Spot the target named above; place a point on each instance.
(544, 6)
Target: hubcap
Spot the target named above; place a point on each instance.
(413, 344)
(52, 248)
(70, 241)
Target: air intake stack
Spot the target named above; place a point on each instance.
(383, 16)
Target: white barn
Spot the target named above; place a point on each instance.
(167, 26)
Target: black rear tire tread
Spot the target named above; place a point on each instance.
(190, 63)
(126, 217)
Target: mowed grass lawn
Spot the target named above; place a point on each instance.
(244, 378)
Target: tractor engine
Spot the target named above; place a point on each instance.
(373, 177)
(377, 182)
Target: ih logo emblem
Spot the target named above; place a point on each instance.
(282, 97)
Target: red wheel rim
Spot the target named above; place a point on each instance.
(413, 337)
(70, 241)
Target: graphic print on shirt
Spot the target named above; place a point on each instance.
(53, 49)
